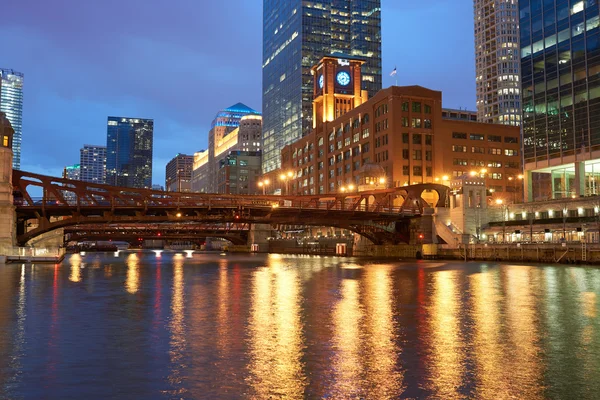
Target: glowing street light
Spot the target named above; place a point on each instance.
(263, 184)
(286, 178)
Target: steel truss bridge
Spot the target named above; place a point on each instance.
(382, 216)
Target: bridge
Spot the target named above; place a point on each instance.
(382, 216)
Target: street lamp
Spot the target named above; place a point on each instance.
(263, 184)
(503, 208)
(286, 178)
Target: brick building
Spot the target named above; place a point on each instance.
(400, 129)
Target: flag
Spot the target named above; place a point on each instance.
(393, 72)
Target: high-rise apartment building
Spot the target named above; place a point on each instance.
(560, 68)
(11, 104)
(296, 35)
(92, 160)
(178, 173)
(497, 61)
(129, 152)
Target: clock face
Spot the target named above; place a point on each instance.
(321, 81)
(343, 78)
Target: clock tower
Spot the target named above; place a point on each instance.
(337, 87)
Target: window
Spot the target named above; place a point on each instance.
(405, 106)
(416, 107)
(510, 152)
(320, 141)
(427, 109)
(494, 138)
(356, 123)
(494, 151)
(365, 119)
(405, 154)
(365, 148)
(243, 163)
(494, 164)
(475, 136)
(428, 155)
(347, 155)
(365, 133)
(405, 170)
(417, 171)
(347, 141)
(459, 161)
(356, 137)
(429, 171)
(355, 151)
(405, 138)
(496, 176)
(508, 139)
(428, 140)
(416, 138)
(405, 122)
(478, 150)
(417, 154)
(427, 123)
(459, 149)
(459, 135)
(320, 165)
(416, 122)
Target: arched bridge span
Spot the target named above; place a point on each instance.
(380, 215)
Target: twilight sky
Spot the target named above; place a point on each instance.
(180, 61)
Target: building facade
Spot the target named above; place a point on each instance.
(11, 104)
(129, 152)
(296, 35)
(72, 172)
(239, 172)
(178, 173)
(245, 137)
(92, 160)
(401, 130)
(560, 67)
(497, 61)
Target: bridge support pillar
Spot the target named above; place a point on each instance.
(7, 209)
(259, 234)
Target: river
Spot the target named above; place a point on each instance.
(151, 325)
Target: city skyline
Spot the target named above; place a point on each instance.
(184, 96)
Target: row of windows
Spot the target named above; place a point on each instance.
(416, 107)
(417, 170)
(416, 123)
(417, 138)
(481, 150)
(477, 136)
(481, 163)
(417, 155)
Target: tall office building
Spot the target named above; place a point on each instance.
(92, 160)
(129, 152)
(560, 68)
(11, 104)
(497, 61)
(178, 173)
(296, 35)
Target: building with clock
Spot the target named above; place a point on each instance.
(296, 35)
(401, 130)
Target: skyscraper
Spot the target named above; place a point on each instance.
(11, 103)
(92, 159)
(296, 35)
(560, 68)
(129, 152)
(72, 172)
(497, 61)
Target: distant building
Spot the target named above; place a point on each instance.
(92, 160)
(401, 130)
(245, 137)
(11, 104)
(72, 172)
(178, 173)
(239, 172)
(156, 186)
(497, 61)
(296, 35)
(129, 152)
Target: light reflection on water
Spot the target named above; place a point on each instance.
(138, 326)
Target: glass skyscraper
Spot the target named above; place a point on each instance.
(129, 152)
(296, 35)
(560, 67)
(11, 103)
(92, 160)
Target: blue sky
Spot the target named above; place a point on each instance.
(180, 61)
